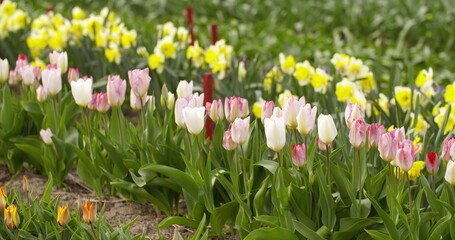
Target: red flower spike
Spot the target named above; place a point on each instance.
(214, 31)
(208, 95)
(22, 57)
(189, 23)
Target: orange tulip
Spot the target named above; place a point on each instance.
(25, 185)
(3, 199)
(63, 215)
(88, 212)
(11, 217)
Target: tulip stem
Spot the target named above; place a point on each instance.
(304, 177)
(201, 161)
(327, 154)
(93, 231)
(409, 196)
(245, 178)
(433, 180)
(191, 148)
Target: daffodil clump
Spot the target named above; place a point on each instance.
(12, 19)
(218, 57)
(52, 30)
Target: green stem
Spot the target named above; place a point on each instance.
(245, 178)
(327, 154)
(192, 161)
(304, 177)
(93, 231)
(409, 196)
(201, 161)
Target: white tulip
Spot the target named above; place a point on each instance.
(4, 70)
(306, 119)
(450, 174)
(184, 89)
(52, 80)
(59, 59)
(194, 119)
(275, 132)
(326, 129)
(82, 91)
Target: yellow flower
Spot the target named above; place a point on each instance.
(156, 61)
(367, 82)
(257, 108)
(391, 128)
(423, 77)
(8, 8)
(56, 41)
(78, 13)
(77, 28)
(88, 212)
(421, 125)
(417, 141)
(62, 215)
(403, 97)
(284, 95)
(112, 55)
(439, 119)
(241, 71)
(273, 75)
(303, 73)
(287, 63)
(11, 217)
(383, 103)
(344, 90)
(449, 95)
(340, 62)
(320, 80)
(166, 47)
(3, 199)
(413, 173)
(220, 67)
(211, 56)
(128, 38)
(195, 54)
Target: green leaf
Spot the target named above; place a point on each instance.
(199, 229)
(276, 233)
(268, 164)
(222, 214)
(389, 224)
(326, 201)
(306, 231)
(176, 220)
(350, 227)
(439, 228)
(48, 191)
(378, 235)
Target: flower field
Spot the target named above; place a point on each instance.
(227, 119)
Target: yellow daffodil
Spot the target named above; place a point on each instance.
(423, 77)
(303, 73)
(7, 8)
(156, 62)
(340, 61)
(257, 108)
(320, 80)
(449, 94)
(128, 39)
(421, 126)
(367, 82)
(284, 95)
(383, 103)
(439, 119)
(195, 53)
(345, 90)
(287, 63)
(403, 97)
(113, 55)
(413, 173)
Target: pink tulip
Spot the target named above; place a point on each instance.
(399, 134)
(100, 102)
(139, 81)
(228, 143)
(387, 146)
(374, 133)
(21, 63)
(215, 110)
(432, 163)
(240, 130)
(41, 94)
(73, 74)
(267, 110)
(448, 143)
(14, 77)
(116, 89)
(181, 103)
(235, 107)
(357, 134)
(299, 155)
(136, 102)
(46, 136)
(322, 145)
(406, 154)
(306, 119)
(353, 111)
(290, 110)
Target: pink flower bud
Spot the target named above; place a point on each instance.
(267, 110)
(357, 134)
(448, 143)
(374, 132)
(353, 111)
(139, 81)
(14, 77)
(299, 155)
(432, 163)
(290, 110)
(215, 110)
(116, 89)
(306, 119)
(240, 130)
(322, 145)
(137, 102)
(387, 146)
(41, 94)
(228, 143)
(235, 107)
(46, 135)
(99, 102)
(406, 154)
(73, 74)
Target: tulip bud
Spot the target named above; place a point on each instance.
(170, 101)
(448, 143)
(215, 110)
(82, 91)
(357, 134)
(267, 110)
(137, 102)
(306, 119)
(4, 70)
(46, 135)
(52, 80)
(63, 215)
(41, 94)
(14, 77)
(353, 111)
(322, 145)
(327, 130)
(432, 163)
(88, 212)
(180, 104)
(59, 59)
(116, 89)
(25, 185)
(240, 130)
(21, 63)
(184, 89)
(3, 199)
(11, 217)
(100, 102)
(406, 154)
(450, 173)
(275, 133)
(299, 155)
(73, 74)
(194, 119)
(374, 133)
(235, 107)
(139, 81)
(277, 112)
(28, 74)
(290, 110)
(228, 143)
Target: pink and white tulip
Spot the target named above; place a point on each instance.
(275, 133)
(41, 94)
(228, 143)
(136, 102)
(73, 74)
(406, 154)
(387, 146)
(194, 119)
(30, 75)
(353, 111)
(139, 81)
(14, 77)
(448, 143)
(374, 133)
(215, 110)
(46, 136)
(235, 107)
(60, 59)
(299, 155)
(290, 110)
(322, 145)
(327, 130)
(267, 110)
(184, 89)
(116, 89)
(240, 130)
(306, 119)
(357, 134)
(100, 102)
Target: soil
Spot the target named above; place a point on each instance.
(117, 209)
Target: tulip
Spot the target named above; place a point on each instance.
(387, 146)
(41, 94)
(11, 217)
(306, 119)
(21, 63)
(275, 133)
(63, 215)
(180, 104)
(235, 107)
(277, 112)
(194, 119)
(374, 133)
(321, 145)
(73, 74)
(14, 77)
(184, 89)
(88, 212)
(4, 70)
(399, 134)
(357, 134)
(290, 110)
(59, 59)
(215, 110)
(28, 75)
(99, 102)
(452, 152)
(299, 155)
(228, 143)
(353, 111)
(450, 173)
(116, 89)
(52, 80)
(25, 185)
(267, 110)
(82, 91)
(327, 130)
(240, 130)
(3, 199)
(136, 102)
(139, 81)
(448, 143)
(46, 135)
(432, 163)
(406, 154)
